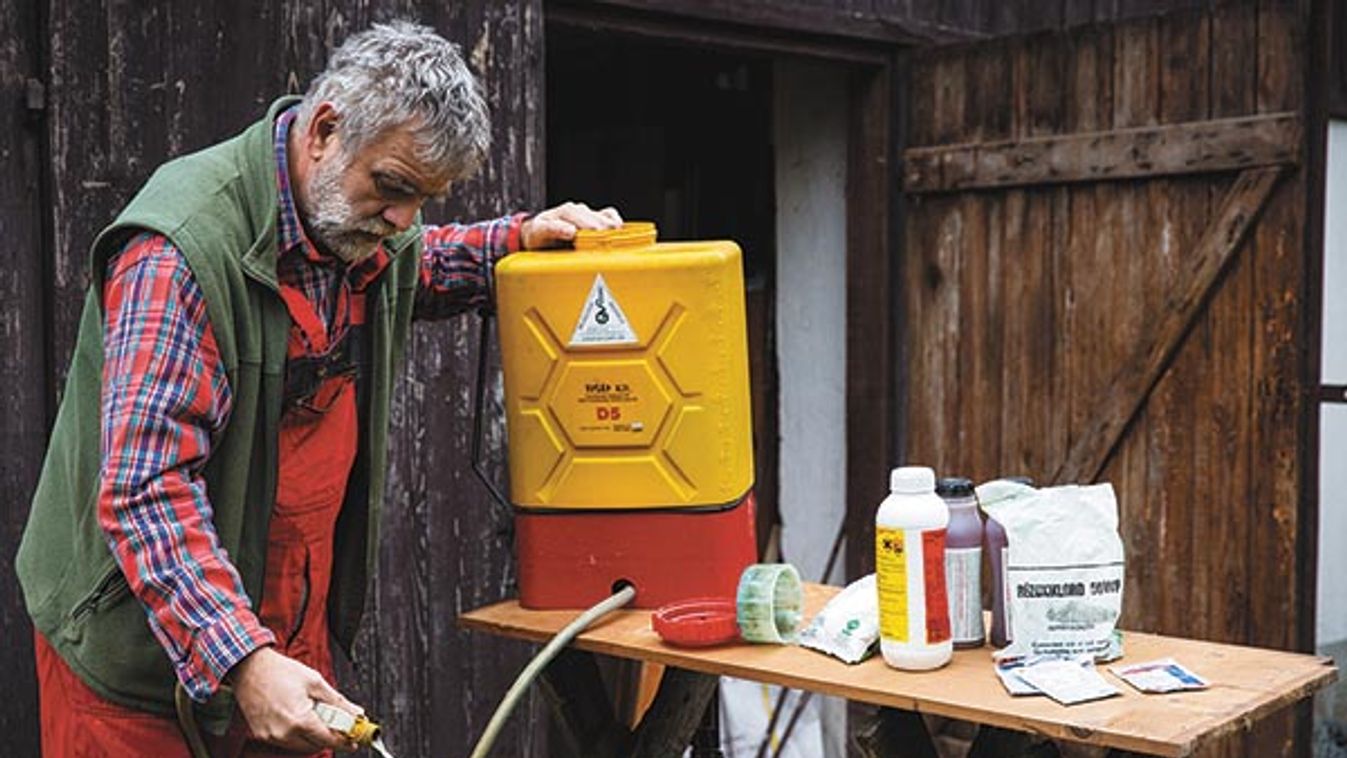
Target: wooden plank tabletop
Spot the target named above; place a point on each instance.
(1246, 683)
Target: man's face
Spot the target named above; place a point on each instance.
(353, 202)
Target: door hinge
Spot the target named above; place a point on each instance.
(1333, 393)
(35, 96)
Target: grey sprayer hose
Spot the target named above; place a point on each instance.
(187, 722)
(540, 661)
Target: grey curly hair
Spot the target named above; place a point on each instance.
(398, 73)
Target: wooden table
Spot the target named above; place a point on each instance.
(1246, 683)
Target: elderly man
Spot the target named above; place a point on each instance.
(217, 465)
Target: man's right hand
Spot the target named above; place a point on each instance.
(276, 695)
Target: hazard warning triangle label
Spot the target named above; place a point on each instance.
(602, 321)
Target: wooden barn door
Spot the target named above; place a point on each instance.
(1104, 277)
(126, 88)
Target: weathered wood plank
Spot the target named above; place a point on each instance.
(938, 261)
(986, 115)
(1130, 226)
(1026, 327)
(23, 358)
(1056, 271)
(1132, 385)
(1227, 327)
(1088, 247)
(1278, 405)
(873, 384)
(1199, 146)
(919, 275)
(1180, 393)
(1017, 384)
(1281, 416)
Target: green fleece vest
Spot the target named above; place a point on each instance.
(220, 208)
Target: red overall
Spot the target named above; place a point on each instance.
(318, 440)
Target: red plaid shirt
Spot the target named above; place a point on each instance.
(166, 399)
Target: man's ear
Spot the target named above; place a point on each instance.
(321, 134)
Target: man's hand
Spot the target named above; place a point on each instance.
(276, 695)
(557, 225)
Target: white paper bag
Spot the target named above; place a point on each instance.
(1064, 567)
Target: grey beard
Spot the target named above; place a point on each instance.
(332, 221)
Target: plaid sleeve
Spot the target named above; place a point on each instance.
(165, 395)
(452, 273)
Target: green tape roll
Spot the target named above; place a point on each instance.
(769, 603)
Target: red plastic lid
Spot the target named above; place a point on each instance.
(699, 622)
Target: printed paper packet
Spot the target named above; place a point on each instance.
(1067, 680)
(1163, 675)
(848, 626)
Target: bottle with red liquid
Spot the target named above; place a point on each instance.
(963, 562)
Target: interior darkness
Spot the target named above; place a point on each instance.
(681, 136)
(673, 134)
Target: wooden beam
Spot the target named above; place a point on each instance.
(814, 19)
(895, 733)
(668, 726)
(586, 724)
(998, 742)
(872, 327)
(1187, 148)
(1124, 397)
(703, 34)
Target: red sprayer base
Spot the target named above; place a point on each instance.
(573, 560)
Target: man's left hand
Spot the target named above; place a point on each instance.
(558, 225)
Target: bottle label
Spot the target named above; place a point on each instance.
(937, 601)
(891, 582)
(910, 580)
(963, 582)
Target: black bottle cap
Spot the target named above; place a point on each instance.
(954, 486)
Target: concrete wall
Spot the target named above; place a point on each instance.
(811, 308)
(1331, 622)
(811, 233)
(1331, 601)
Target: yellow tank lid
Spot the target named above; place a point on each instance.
(630, 234)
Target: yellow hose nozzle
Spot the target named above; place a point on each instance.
(356, 728)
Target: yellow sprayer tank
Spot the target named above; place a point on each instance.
(627, 395)
(626, 373)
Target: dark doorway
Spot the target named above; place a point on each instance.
(681, 136)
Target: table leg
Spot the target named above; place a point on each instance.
(994, 742)
(895, 734)
(706, 742)
(585, 721)
(673, 717)
(589, 728)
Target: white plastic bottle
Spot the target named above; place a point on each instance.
(910, 572)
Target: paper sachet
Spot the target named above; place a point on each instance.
(848, 626)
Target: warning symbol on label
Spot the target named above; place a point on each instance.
(602, 321)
